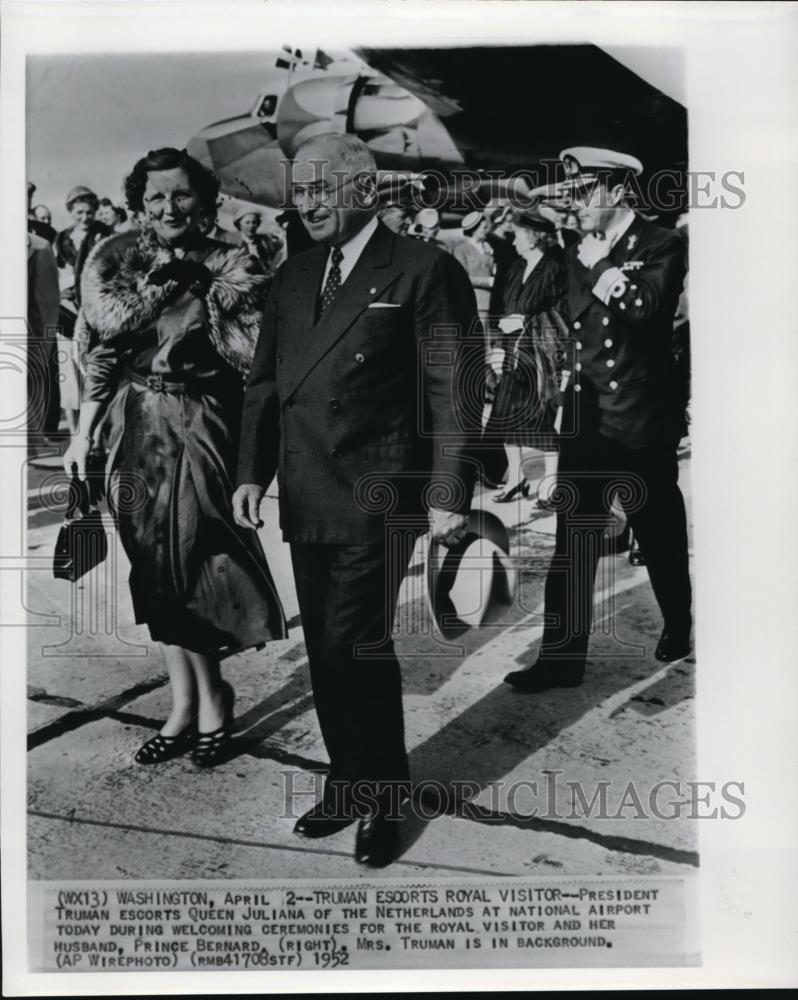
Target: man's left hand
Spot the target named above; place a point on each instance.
(592, 249)
(448, 527)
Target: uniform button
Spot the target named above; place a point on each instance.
(578, 366)
(336, 453)
(279, 359)
(335, 404)
(605, 321)
(579, 345)
(577, 388)
(610, 362)
(613, 384)
(577, 325)
(288, 404)
(360, 358)
(621, 305)
(608, 342)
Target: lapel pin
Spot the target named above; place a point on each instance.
(631, 243)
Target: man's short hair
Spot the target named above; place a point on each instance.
(353, 153)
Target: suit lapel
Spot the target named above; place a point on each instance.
(302, 293)
(369, 277)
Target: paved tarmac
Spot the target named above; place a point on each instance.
(97, 689)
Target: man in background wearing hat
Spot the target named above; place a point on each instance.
(426, 226)
(625, 276)
(347, 402)
(393, 214)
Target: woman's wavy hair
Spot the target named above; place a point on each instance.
(204, 183)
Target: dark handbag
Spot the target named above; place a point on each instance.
(82, 543)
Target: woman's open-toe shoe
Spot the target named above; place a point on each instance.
(214, 748)
(161, 748)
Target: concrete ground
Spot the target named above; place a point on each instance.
(97, 689)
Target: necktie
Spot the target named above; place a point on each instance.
(333, 282)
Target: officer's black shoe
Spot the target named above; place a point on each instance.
(674, 643)
(321, 821)
(543, 676)
(636, 557)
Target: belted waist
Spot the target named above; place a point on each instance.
(174, 386)
(158, 383)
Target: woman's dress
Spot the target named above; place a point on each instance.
(528, 394)
(171, 429)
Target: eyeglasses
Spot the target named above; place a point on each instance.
(320, 193)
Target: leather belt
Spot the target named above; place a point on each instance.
(160, 383)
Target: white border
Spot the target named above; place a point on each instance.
(742, 61)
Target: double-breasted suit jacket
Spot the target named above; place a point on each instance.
(622, 313)
(368, 393)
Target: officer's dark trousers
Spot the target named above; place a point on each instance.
(591, 470)
(347, 600)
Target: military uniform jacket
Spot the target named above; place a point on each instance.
(622, 310)
(359, 411)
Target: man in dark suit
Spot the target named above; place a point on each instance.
(353, 401)
(627, 417)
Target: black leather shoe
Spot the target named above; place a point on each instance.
(636, 557)
(321, 821)
(543, 676)
(377, 840)
(674, 643)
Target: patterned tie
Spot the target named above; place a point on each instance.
(333, 282)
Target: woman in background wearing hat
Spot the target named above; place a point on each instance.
(534, 329)
(72, 246)
(263, 247)
(170, 320)
(475, 253)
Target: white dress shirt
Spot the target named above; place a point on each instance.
(351, 250)
(614, 232)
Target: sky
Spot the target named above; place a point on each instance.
(91, 117)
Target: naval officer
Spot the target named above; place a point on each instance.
(624, 417)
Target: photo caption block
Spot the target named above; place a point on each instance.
(240, 926)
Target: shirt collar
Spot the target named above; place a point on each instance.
(532, 262)
(619, 227)
(355, 245)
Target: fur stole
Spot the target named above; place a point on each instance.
(117, 297)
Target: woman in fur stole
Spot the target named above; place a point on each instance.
(168, 323)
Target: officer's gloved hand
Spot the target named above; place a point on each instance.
(187, 273)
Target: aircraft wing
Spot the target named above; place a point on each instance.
(506, 106)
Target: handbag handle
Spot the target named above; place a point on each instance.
(78, 502)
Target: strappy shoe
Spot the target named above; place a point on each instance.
(213, 748)
(161, 748)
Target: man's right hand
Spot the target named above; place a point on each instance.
(246, 505)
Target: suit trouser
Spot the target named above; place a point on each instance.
(347, 599)
(591, 469)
